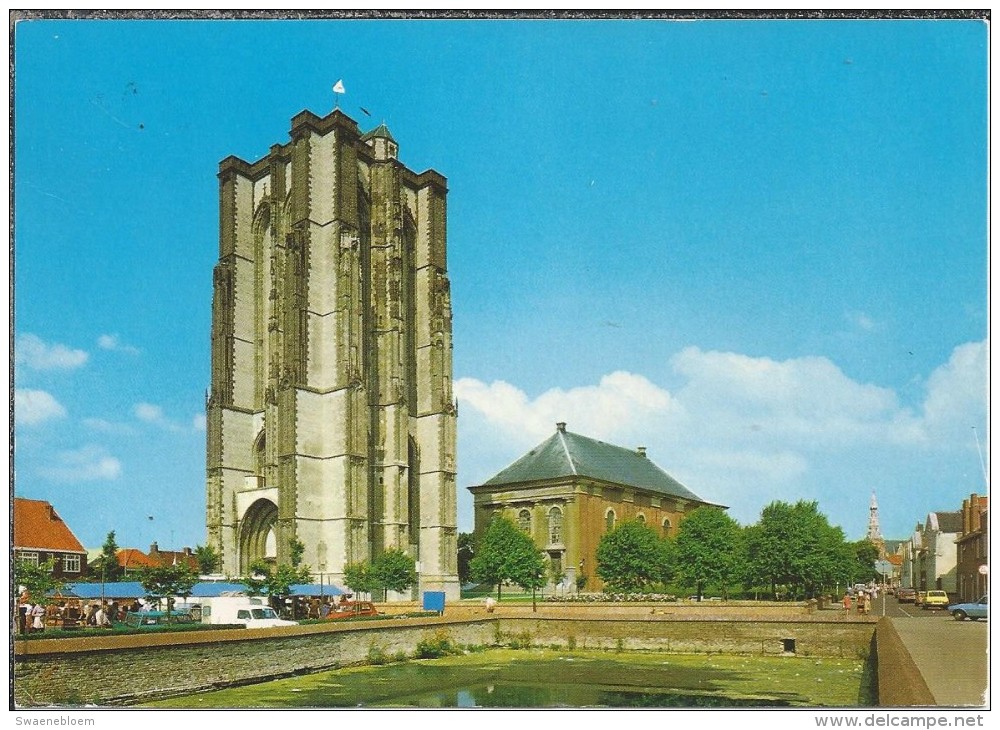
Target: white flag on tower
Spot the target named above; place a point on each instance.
(338, 88)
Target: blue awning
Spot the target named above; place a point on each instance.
(202, 589)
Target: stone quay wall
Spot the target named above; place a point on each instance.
(128, 669)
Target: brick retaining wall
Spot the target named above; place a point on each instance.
(128, 669)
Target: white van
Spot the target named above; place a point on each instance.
(250, 611)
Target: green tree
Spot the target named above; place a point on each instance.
(358, 577)
(506, 554)
(631, 557)
(37, 579)
(393, 570)
(107, 567)
(275, 582)
(296, 549)
(208, 559)
(864, 553)
(793, 545)
(708, 550)
(466, 549)
(165, 581)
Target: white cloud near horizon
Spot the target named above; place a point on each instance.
(33, 407)
(33, 352)
(87, 464)
(752, 428)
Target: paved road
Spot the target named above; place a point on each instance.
(952, 656)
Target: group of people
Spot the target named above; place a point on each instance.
(73, 613)
(862, 601)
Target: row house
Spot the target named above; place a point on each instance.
(973, 549)
(949, 551)
(938, 558)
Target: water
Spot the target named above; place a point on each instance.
(548, 678)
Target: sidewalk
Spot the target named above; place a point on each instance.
(952, 657)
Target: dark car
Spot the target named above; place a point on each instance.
(906, 595)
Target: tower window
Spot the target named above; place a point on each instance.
(524, 520)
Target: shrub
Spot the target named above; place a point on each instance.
(436, 646)
(377, 655)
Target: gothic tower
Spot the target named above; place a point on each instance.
(330, 415)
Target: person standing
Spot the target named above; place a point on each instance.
(38, 617)
(847, 605)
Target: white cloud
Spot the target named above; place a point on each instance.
(620, 402)
(148, 412)
(957, 393)
(862, 321)
(198, 422)
(808, 400)
(153, 414)
(741, 430)
(111, 342)
(32, 352)
(87, 464)
(32, 407)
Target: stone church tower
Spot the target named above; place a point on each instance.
(330, 416)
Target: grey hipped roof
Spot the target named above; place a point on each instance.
(567, 454)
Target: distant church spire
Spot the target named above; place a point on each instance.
(874, 533)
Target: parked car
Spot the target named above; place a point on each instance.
(935, 599)
(977, 610)
(919, 598)
(905, 595)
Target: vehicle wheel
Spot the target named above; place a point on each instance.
(959, 615)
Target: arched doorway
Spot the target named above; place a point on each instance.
(257, 534)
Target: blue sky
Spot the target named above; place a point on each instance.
(757, 248)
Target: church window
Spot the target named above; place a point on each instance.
(555, 526)
(641, 518)
(524, 520)
(609, 520)
(666, 528)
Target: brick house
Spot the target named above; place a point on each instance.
(570, 490)
(973, 548)
(40, 534)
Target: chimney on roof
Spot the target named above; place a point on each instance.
(154, 548)
(561, 427)
(641, 451)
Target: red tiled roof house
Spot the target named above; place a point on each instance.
(41, 534)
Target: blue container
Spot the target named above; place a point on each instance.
(434, 601)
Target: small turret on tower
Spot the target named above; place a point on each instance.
(381, 141)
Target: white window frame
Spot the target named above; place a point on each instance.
(71, 563)
(28, 556)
